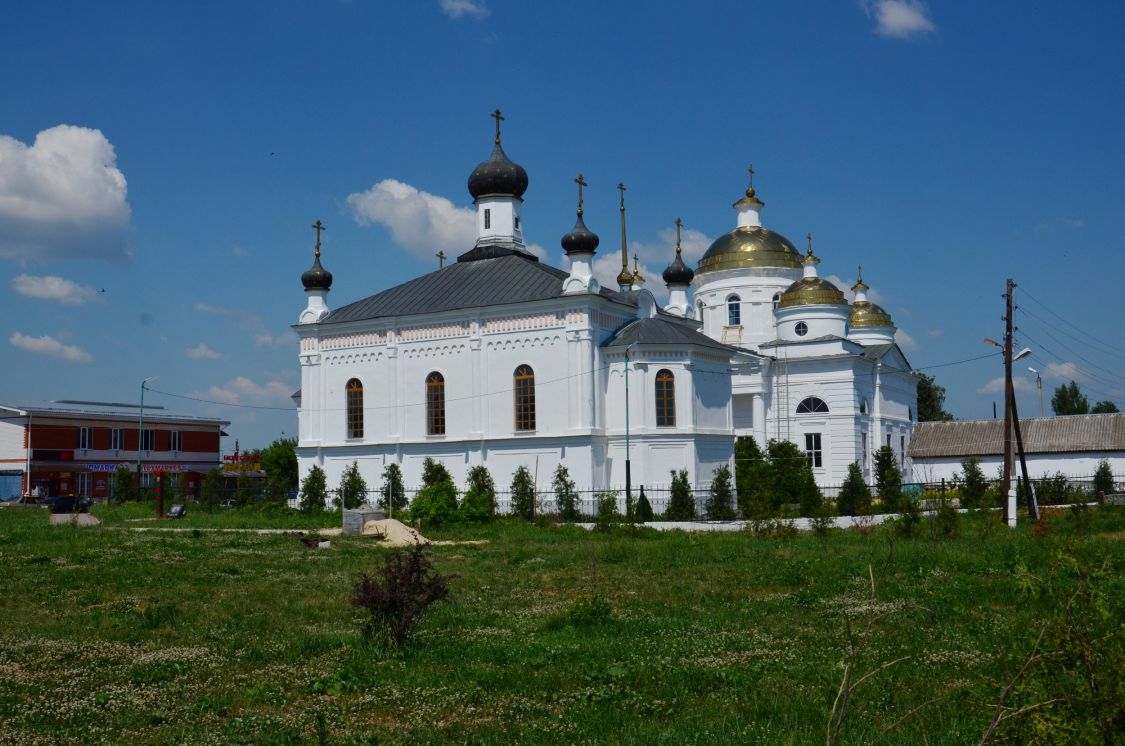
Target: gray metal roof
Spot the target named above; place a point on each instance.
(503, 277)
(794, 342)
(109, 410)
(663, 330)
(1071, 434)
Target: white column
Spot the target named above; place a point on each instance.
(758, 402)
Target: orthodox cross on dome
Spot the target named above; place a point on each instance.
(637, 277)
(809, 253)
(499, 118)
(581, 183)
(679, 225)
(441, 259)
(318, 226)
(750, 168)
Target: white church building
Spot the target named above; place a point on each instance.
(502, 360)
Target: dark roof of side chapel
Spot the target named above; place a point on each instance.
(666, 330)
(488, 275)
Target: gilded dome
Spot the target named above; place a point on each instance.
(750, 246)
(867, 315)
(812, 291)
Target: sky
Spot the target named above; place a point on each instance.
(161, 165)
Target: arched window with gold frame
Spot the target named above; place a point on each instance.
(523, 381)
(435, 404)
(353, 398)
(665, 399)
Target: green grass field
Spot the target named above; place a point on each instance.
(112, 635)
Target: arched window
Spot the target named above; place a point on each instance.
(863, 406)
(524, 388)
(812, 405)
(435, 404)
(353, 396)
(734, 310)
(665, 399)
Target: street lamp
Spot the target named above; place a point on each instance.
(141, 432)
(1039, 385)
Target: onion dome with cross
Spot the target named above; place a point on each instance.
(580, 240)
(317, 277)
(498, 175)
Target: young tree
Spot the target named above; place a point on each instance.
(1104, 407)
(479, 502)
(931, 400)
(213, 488)
(353, 488)
(393, 493)
(314, 490)
(434, 472)
(1103, 479)
(751, 478)
(1069, 400)
(279, 461)
(973, 483)
(435, 505)
(644, 508)
(810, 499)
(888, 479)
(720, 501)
(566, 498)
(855, 495)
(787, 467)
(121, 486)
(681, 506)
(523, 493)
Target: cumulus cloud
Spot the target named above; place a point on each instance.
(62, 197)
(845, 286)
(905, 341)
(996, 386)
(47, 345)
(59, 289)
(653, 257)
(202, 352)
(243, 390)
(899, 19)
(420, 222)
(935, 332)
(285, 339)
(1064, 372)
(459, 8)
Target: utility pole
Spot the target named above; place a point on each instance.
(1009, 502)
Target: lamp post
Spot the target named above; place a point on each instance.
(1039, 385)
(1011, 422)
(141, 432)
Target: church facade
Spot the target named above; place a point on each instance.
(502, 360)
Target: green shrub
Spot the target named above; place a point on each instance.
(314, 490)
(393, 492)
(122, 488)
(681, 505)
(353, 488)
(607, 508)
(434, 472)
(720, 501)
(888, 480)
(566, 498)
(523, 493)
(1054, 490)
(1103, 479)
(644, 508)
(435, 505)
(855, 495)
(973, 483)
(751, 478)
(479, 502)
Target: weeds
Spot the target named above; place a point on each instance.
(399, 595)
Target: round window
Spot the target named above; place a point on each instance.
(802, 328)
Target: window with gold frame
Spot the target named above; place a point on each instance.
(435, 404)
(354, 403)
(524, 388)
(665, 399)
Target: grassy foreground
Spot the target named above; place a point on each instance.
(111, 635)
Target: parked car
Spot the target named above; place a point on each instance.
(66, 504)
(228, 503)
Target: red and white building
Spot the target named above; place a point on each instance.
(73, 447)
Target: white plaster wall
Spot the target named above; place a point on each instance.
(1038, 465)
(12, 451)
(821, 321)
(756, 289)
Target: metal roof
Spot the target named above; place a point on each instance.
(659, 330)
(1070, 434)
(504, 276)
(109, 410)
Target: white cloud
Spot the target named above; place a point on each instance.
(1065, 372)
(458, 8)
(845, 286)
(899, 19)
(285, 339)
(208, 308)
(63, 197)
(202, 352)
(653, 258)
(50, 287)
(420, 222)
(242, 390)
(996, 386)
(935, 332)
(51, 347)
(905, 341)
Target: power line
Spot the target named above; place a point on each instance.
(1076, 327)
(959, 362)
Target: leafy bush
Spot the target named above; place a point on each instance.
(566, 498)
(607, 508)
(681, 505)
(211, 491)
(398, 595)
(888, 480)
(353, 488)
(434, 472)
(435, 505)
(809, 498)
(973, 483)
(644, 508)
(771, 528)
(479, 502)
(1103, 479)
(314, 490)
(523, 493)
(855, 495)
(751, 478)
(720, 501)
(822, 519)
(788, 472)
(393, 492)
(1054, 490)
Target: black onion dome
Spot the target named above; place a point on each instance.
(580, 239)
(678, 273)
(316, 277)
(498, 175)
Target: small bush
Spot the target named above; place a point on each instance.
(720, 501)
(644, 508)
(566, 498)
(1054, 490)
(398, 595)
(947, 518)
(1103, 479)
(822, 520)
(479, 502)
(434, 472)
(435, 505)
(607, 508)
(681, 506)
(855, 495)
(523, 493)
(771, 528)
(393, 492)
(973, 483)
(314, 490)
(353, 488)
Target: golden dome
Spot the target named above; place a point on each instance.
(750, 246)
(866, 315)
(812, 291)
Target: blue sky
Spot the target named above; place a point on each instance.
(184, 149)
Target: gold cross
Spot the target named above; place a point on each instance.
(679, 225)
(751, 170)
(810, 244)
(497, 116)
(319, 226)
(441, 259)
(581, 183)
